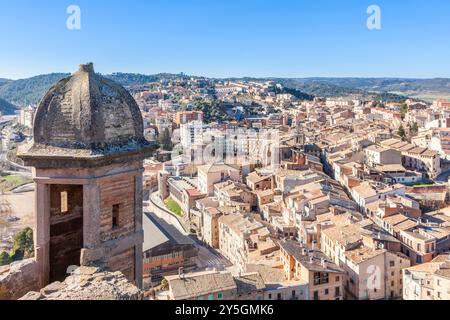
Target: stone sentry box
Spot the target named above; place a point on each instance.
(87, 158)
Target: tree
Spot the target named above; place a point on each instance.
(414, 128)
(23, 247)
(401, 132)
(165, 140)
(403, 110)
(4, 258)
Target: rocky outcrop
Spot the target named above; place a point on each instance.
(89, 283)
(17, 279)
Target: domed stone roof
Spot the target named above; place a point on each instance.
(87, 115)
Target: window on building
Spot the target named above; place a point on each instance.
(219, 296)
(293, 293)
(337, 291)
(210, 296)
(320, 278)
(418, 259)
(64, 202)
(270, 296)
(279, 296)
(326, 291)
(115, 215)
(391, 263)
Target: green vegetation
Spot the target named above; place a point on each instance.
(6, 107)
(414, 128)
(401, 132)
(23, 247)
(418, 185)
(31, 90)
(8, 183)
(173, 206)
(403, 110)
(4, 258)
(296, 93)
(214, 111)
(4, 81)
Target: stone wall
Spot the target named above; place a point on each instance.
(17, 279)
(89, 283)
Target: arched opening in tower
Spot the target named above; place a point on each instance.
(66, 229)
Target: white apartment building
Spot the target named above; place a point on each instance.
(26, 117)
(191, 134)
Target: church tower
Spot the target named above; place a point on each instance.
(87, 155)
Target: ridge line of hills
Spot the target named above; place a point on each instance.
(30, 90)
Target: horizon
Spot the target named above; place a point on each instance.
(232, 77)
(228, 39)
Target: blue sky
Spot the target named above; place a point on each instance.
(222, 38)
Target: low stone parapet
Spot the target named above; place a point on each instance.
(89, 283)
(18, 278)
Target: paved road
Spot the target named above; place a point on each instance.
(208, 259)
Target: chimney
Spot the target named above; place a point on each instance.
(313, 244)
(311, 260)
(181, 272)
(304, 252)
(324, 263)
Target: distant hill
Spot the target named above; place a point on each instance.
(427, 89)
(6, 107)
(127, 79)
(4, 81)
(31, 90)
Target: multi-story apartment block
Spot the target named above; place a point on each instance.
(371, 260)
(376, 155)
(183, 117)
(416, 158)
(324, 277)
(191, 134)
(428, 281)
(210, 174)
(235, 233)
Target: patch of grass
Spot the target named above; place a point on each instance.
(173, 206)
(425, 185)
(8, 183)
